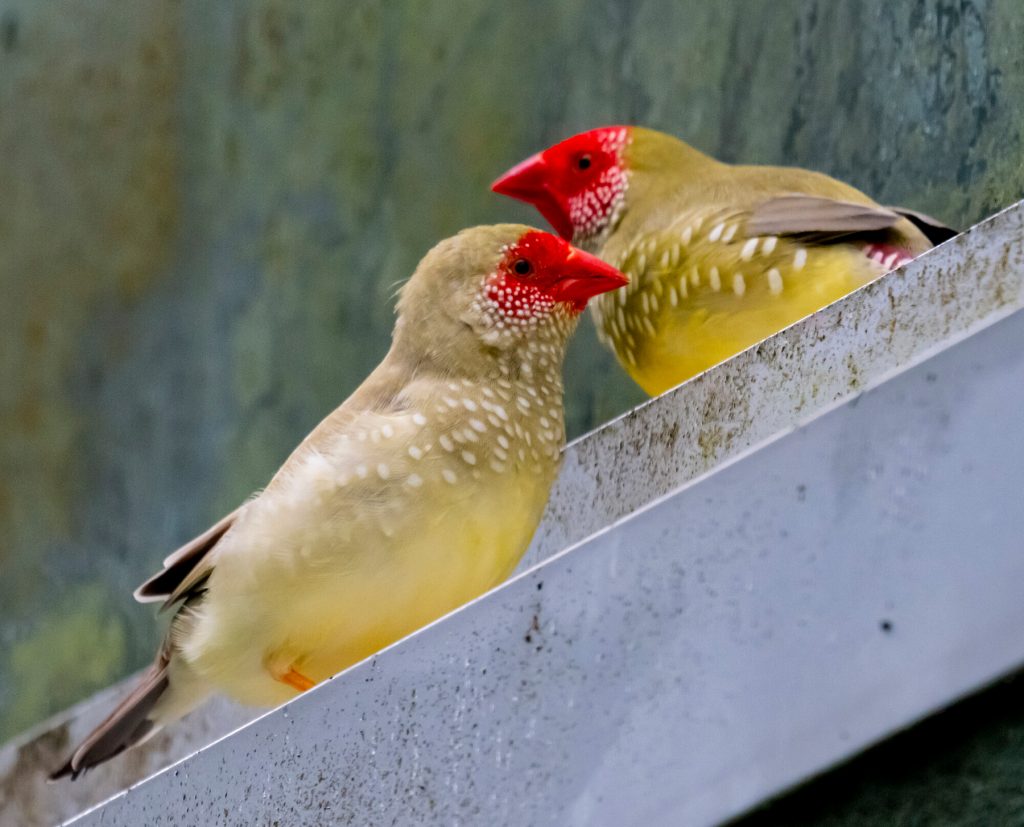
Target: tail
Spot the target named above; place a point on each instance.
(167, 691)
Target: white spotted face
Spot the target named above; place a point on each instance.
(579, 185)
(533, 297)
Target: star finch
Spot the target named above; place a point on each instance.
(417, 494)
(720, 256)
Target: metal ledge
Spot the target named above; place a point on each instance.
(701, 655)
(712, 557)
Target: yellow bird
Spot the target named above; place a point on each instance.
(719, 256)
(419, 493)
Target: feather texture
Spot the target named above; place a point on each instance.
(799, 214)
(187, 567)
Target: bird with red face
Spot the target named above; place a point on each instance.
(720, 256)
(420, 492)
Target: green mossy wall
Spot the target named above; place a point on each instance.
(205, 207)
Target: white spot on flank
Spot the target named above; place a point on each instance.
(469, 457)
(362, 471)
(774, 281)
(387, 431)
(523, 402)
(469, 404)
(687, 235)
(800, 259)
(673, 296)
(414, 480)
(477, 425)
(716, 232)
(419, 419)
(749, 249)
(716, 281)
(503, 441)
(695, 277)
(449, 476)
(729, 233)
(769, 244)
(446, 442)
(383, 471)
(497, 467)
(739, 284)
(415, 452)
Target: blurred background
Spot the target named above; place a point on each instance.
(205, 208)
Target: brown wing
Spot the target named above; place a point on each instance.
(935, 231)
(799, 214)
(187, 567)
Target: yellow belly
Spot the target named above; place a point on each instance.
(669, 337)
(362, 595)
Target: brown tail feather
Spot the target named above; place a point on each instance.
(126, 726)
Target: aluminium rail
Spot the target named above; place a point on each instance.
(768, 569)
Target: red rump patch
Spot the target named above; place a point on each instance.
(888, 256)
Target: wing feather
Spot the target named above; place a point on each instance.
(185, 569)
(799, 214)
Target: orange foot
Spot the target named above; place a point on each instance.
(296, 680)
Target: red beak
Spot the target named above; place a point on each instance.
(529, 181)
(584, 276)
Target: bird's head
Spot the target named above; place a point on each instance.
(583, 185)
(500, 287)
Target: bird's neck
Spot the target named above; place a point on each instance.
(531, 371)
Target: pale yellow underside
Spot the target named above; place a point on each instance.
(317, 583)
(687, 323)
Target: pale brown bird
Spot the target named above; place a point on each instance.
(419, 493)
(720, 256)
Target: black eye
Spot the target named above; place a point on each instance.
(583, 162)
(522, 267)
